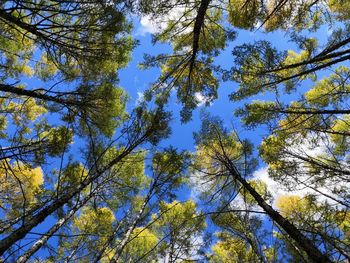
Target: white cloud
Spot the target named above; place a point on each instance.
(140, 97)
(277, 189)
(148, 26)
(303, 184)
(201, 100)
(329, 31)
(198, 185)
(152, 25)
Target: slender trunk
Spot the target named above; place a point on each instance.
(22, 231)
(101, 253)
(198, 25)
(42, 241)
(128, 233)
(74, 251)
(315, 255)
(38, 95)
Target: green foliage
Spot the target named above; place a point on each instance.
(21, 186)
(330, 91)
(65, 116)
(257, 112)
(339, 137)
(244, 14)
(142, 242)
(180, 224)
(340, 8)
(230, 249)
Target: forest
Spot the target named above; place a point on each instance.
(175, 131)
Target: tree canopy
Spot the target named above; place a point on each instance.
(89, 173)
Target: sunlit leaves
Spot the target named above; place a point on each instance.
(189, 80)
(244, 14)
(294, 14)
(340, 134)
(332, 90)
(142, 242)
(179, 224)
(231, 249)
(93, 220)
(94, 225)
(339, 7)
(20, 187)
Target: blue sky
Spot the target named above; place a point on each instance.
(135, 81)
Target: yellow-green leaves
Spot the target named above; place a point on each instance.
(94, 225)
(257, 112)
(179, 217)
(180, 225)
(95, 221)
(142, 241)
(294, 13)
(197, 36)
(26, 110)
(332, 90)
(243, 14)
(291, 205)
(58, 140)
(259, 186)
(340, 133)
(271, 149)
(231, 250)
(180, 31)
(20, 186)
(72, 176)
(46, 68)
(102, 107)
(291, 59)
(170, 167)
(193, 78)
(340, 8)
(212, 152)
(15, 51)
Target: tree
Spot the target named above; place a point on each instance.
(74, 50)
(198, 32)
(75, 158)
(319, 219)
(179, 226)
(148, 130)
(217, 155)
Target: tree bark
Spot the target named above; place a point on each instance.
(42, 241)
(23, 230)
(127, 235)
(198, 24)
(37, 95)
(314, 254)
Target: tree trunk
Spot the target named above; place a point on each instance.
(315, 255)
(23, 230)
(128, 233)
(39, 243)
(38, 95)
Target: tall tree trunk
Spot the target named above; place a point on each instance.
(314, 254)
(23, 230)
(42, 241)
(38, 95)
(128, 233)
